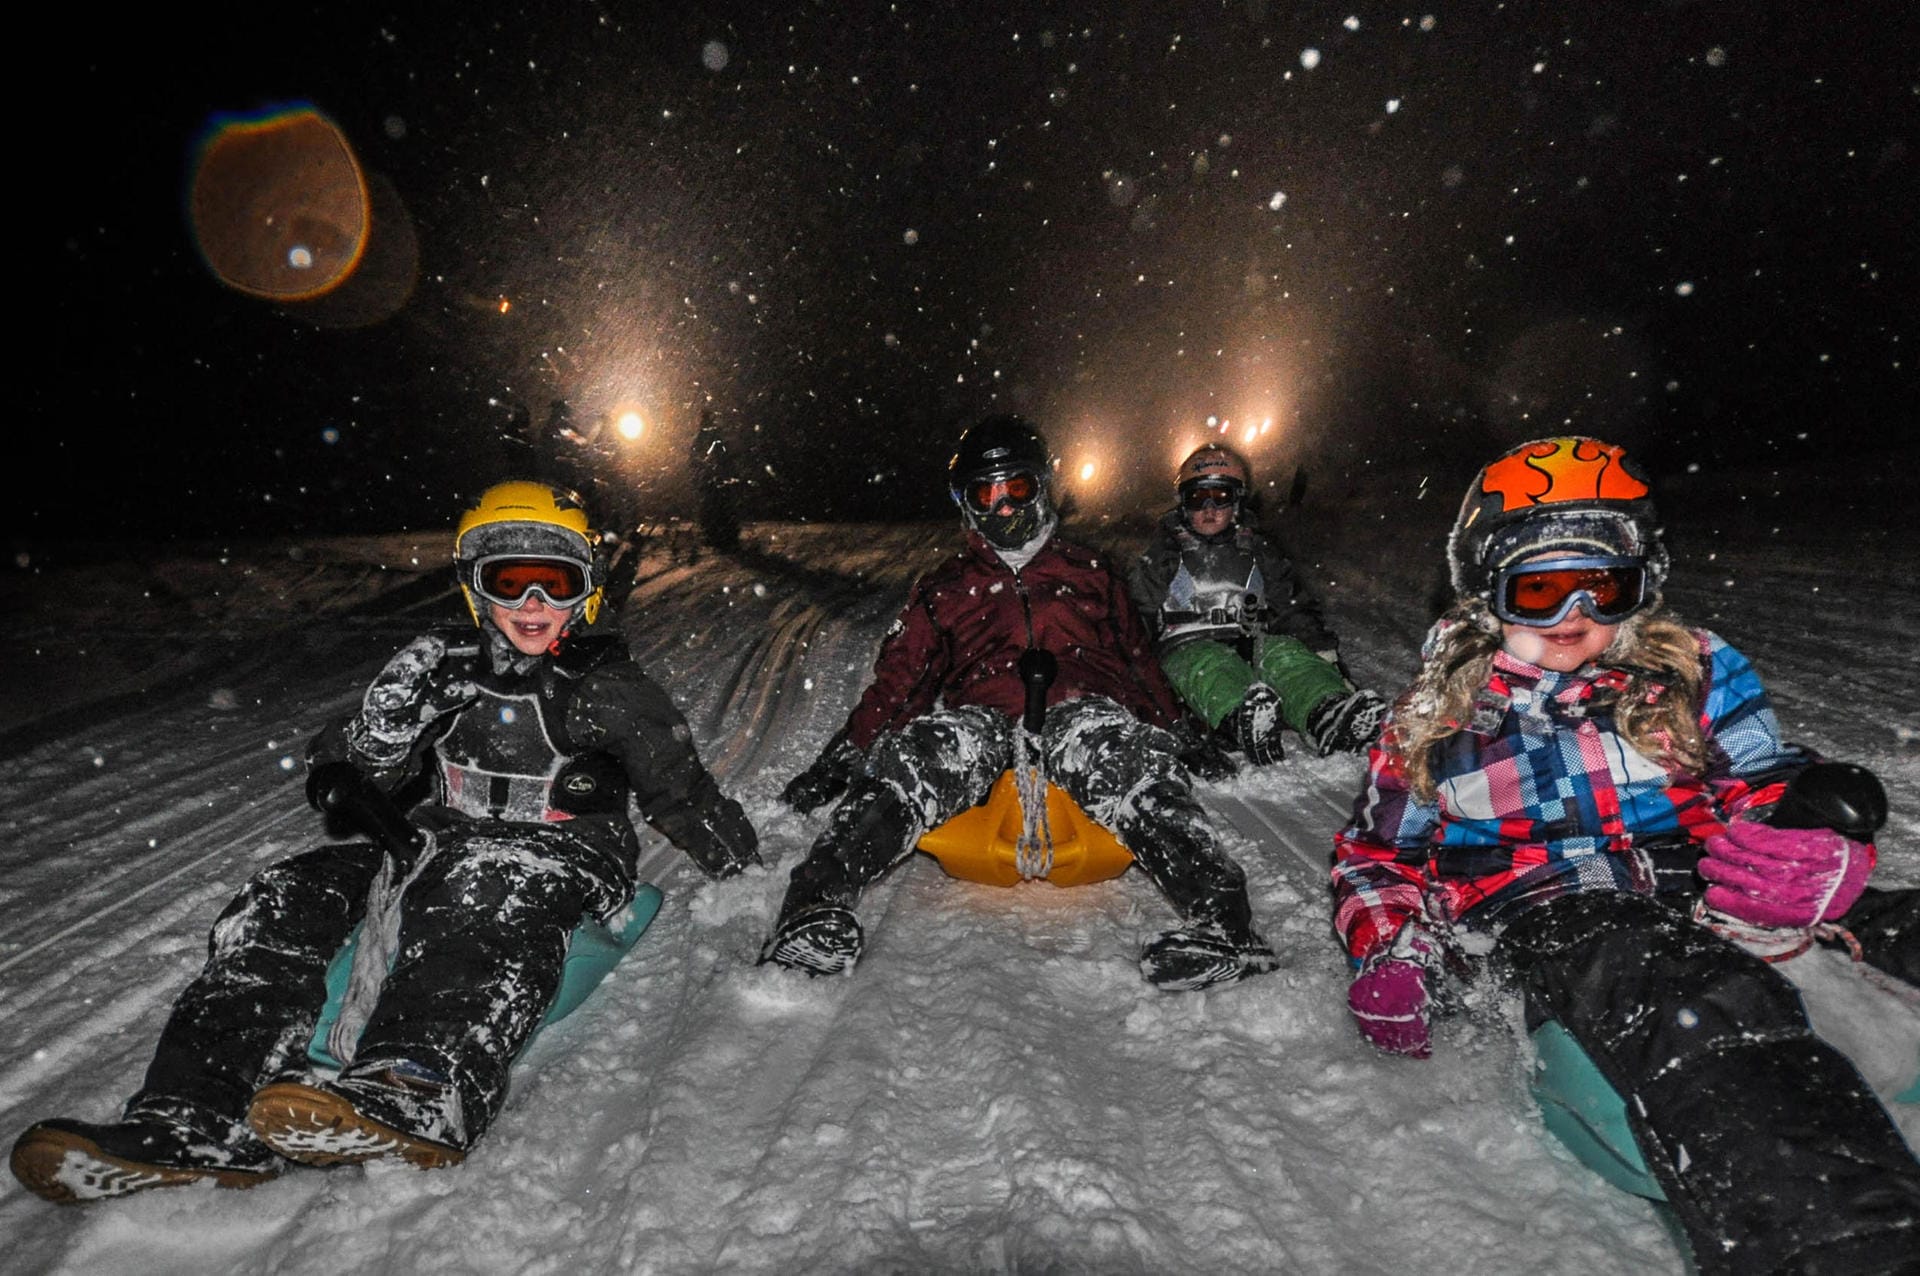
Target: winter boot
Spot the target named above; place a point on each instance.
(1256, 725)
(372, 1111)
(78, 1161)
(1200, 956)
(822, 940)
(1346, 724)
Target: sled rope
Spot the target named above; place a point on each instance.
(1773, 944)
(1033, 854)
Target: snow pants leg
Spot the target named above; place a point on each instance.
(1771, 1148)
(1302, 679)
(483, 940)
(928, 771)
(1212, 678)
(1125, 774)
(252, 1009)
(1122, 772)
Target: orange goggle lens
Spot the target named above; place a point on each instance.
(1016, 489)
(511, 581)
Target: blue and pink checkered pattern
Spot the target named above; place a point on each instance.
(1541, 797)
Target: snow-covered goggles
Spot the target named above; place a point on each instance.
(510, 579)
(1542, 594)
(1018, 490)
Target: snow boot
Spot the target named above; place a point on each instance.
(1196, 957)
(1256, 725)
(67, 1161)
(822, 940)
(369, 1112)
(1346, 724)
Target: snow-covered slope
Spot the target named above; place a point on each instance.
(994, 1089)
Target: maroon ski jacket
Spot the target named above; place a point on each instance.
(959, 640)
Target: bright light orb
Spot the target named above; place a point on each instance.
(630, 425)
(1086, 471)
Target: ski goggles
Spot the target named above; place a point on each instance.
(1018, 490)
(1208, 496)
(1542, 594)
(510, 579)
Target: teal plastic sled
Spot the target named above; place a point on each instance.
(1587, 1114)
(593, 950)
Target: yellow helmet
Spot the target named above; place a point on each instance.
(534, 520)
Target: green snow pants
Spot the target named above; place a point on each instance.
(1213, 678)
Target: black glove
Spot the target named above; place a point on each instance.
(1203, 757)
(329, 783)
(341, 789)
(826, 779)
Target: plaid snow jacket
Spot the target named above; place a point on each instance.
(966, 622)
(1539, 797)
(1188, 588)
(556, 740)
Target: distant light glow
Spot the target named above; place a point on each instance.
(505, 305)
(1086, 471)
(631, 425)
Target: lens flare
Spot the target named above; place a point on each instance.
(279, 204)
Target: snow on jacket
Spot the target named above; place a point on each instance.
(1540, 797)
(1189, 588)
(559, 737)
(959, 640)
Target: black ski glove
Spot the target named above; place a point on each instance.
(826, 779)
(1203, 757)
(343, 790)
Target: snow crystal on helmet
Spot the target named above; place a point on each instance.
(532, 519)
(1575, 494)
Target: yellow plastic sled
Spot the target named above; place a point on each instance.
(982, 844)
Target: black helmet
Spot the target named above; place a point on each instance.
(995, 448)
(1574, 492)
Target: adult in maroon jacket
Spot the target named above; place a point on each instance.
(939, 723)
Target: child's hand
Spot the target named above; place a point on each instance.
(1788, 878)
(1389, 995)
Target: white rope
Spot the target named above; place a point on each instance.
(1033, 854)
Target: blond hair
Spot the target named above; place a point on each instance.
(1657, 712)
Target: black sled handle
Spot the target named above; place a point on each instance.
(339, 788)
(1038, 669)
(1840, 796)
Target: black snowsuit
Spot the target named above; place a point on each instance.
(532, 760)
(1758, 1131)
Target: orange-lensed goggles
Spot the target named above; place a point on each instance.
(1016, 490)
(509, 580)
(1541, 594)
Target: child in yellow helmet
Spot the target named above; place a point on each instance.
(532, 729)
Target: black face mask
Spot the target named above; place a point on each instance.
(1015, 527)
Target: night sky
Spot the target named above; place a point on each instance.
(1388, 238)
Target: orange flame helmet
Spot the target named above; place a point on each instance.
(1573, 493)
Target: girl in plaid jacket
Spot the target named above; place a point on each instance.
(1569, 769)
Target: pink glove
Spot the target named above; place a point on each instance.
(1389, 995)
(1789, 878)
